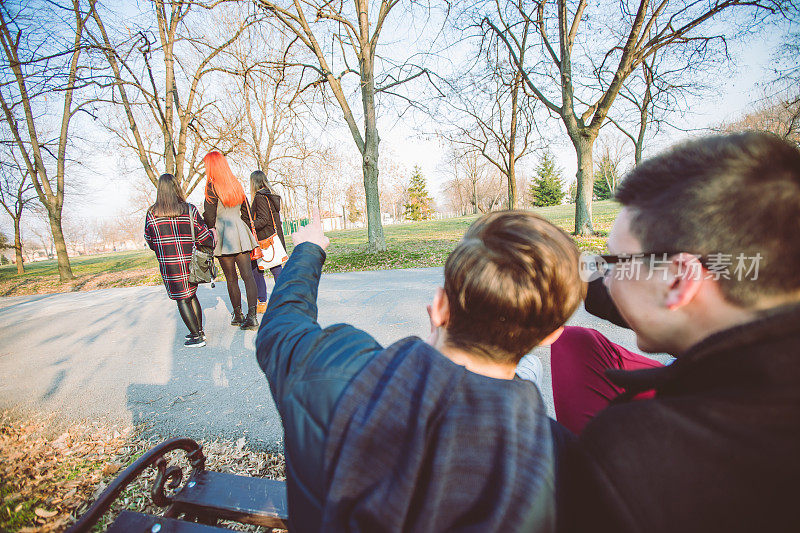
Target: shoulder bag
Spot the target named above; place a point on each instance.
(255, 253)
(201, 265)
(274, 254)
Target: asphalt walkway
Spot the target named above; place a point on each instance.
(117, 355)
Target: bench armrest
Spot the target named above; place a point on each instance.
(171, 476)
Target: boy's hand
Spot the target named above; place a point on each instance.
(312, 232)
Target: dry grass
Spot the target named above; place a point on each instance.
(46, 482)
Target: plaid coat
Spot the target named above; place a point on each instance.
(171, 239)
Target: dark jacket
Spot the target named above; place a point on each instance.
(717, 449)
(264, 202)
(397, 439)
(210, 208)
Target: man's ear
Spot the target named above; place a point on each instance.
(553, 337)
(440, 309)
(687, 279)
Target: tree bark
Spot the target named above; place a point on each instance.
(376, 240)
(64, 268)
(18, 246)
(512, 145)
(585, 180)
(474, 197)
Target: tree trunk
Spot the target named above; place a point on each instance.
(512, 145)
(377, 242)
(474, 197)
(585, 180)
(512, 183)
(639, 144)
(18, 247)
(64, 268)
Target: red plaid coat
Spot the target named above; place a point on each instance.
(171, 239)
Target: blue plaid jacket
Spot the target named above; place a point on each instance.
(397, 439)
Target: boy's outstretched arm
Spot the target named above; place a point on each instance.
(291, 347)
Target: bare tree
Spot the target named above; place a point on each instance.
(16, 196)
(490, 111)
(163, 79)
(779, 115)
(270, 96)
(609, 166)
(42, 231)
(659, 91)
(39, 68)
(499, 124)
(491, 192)
(559, 31)
(457, 195)
(469, 164)
(779, 110)
(393, 181)
(354, 34)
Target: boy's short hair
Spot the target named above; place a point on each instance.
(735, 195)
(511, 281)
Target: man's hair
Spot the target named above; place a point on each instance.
(511, 281)
(732, 194)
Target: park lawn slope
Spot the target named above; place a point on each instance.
(411, 245)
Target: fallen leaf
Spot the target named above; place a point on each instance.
(44, 514)
(12, 497)
(99, 490)
(111, 468)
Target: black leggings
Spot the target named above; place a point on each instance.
(229, 264)
(192, 314)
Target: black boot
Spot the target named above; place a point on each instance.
(237, 317)
(251, 320)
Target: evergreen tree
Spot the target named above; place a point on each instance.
(547, 187)
(420, 203)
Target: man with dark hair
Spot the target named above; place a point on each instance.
(704, 265)
(424, 436)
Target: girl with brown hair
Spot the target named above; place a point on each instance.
(226, 210)
(266, 210)
(168, 232)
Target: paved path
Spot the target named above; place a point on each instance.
(117, 355)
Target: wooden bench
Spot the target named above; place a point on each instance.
(198, 504)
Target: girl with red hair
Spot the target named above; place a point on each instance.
(226, 210)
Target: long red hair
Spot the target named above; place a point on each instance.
(219, 175)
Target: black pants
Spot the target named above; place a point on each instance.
(192, 314)
(229, 264)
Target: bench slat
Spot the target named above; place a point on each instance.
(131, 522)
(245, 499)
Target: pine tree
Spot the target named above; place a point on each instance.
(420, 203)
(548, 185)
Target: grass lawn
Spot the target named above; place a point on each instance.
(412, 245)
